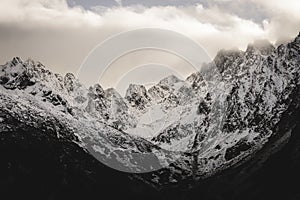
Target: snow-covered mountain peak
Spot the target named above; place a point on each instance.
(15, 74)
(69, 76)
(135, 89)
(295, 43)
(70, 82)
(224, 58)
(169, 81)
(96, 91)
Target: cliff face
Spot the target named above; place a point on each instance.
(217, 127)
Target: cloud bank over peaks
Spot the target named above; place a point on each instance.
(46, 30)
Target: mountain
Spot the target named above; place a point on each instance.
(237, 112)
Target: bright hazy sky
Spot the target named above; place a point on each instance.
(61, 33)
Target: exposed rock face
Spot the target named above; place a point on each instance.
(218, 119)
(224, 59)
(137, 96)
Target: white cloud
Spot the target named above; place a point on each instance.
(284, 18)
(51, 12)
(61, 37)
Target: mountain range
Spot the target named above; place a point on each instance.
(226, 120)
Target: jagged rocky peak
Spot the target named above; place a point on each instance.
(33, 72)
(169, 81)
(16, 60)
(225, 58)
(263, 47)
(97, 103)
(39, 73)
(194, 76)
(69, 82)
(72, 84)
(296, 42)
(96, 92)
(30, 62)
(13, 67)
(137, 96)
(136, 89)
(297, 39)
(75, 89)
(14, 75)
(20, 74)
(196, 80)
(116, 100)
(164, 88)
(117, 109)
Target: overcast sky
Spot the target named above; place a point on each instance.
(61, 33)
